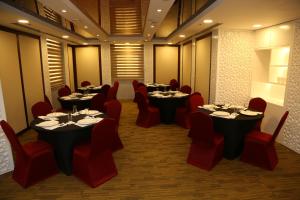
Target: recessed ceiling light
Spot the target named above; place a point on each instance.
(170, 43)
(152, 26)
(63, 11)
(148, 35)
(182, 36)
(285, 27)
(208, 21)
(85, 43)
(159, 10)
(85, 27)
(97, 35)
(257, 25)
(65, 36)
(23, 21)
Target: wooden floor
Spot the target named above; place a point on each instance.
(153, 166)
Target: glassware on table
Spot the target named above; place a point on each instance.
(74, 109)
(70, 117)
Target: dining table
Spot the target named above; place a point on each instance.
(157, 87)
(234, 122)
(81, 101)
(167, 102)
(90, 89)
(65, 130)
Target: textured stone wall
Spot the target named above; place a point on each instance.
(6, 164)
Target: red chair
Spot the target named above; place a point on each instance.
(105, 89)
(93, 162)
(259, 149)
(64, 91)
(143, 90)
(186, 89)
(148, 115)
(116, 85)
(46, 99)
(113, 110)
(34, 161)
(257, 104)
(112, 94)
(207, 146)
(85, 83)
(41, 108)
(182, 117)
(174, 84)
(135, 85)
(97, 102)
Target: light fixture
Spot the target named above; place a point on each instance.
(152, 26)
(170, 43)
(207, 21)
(148, 35)
(23, 21)
(159, 10)
(85, 43)
(85, 27)
(127, 43)
(257, 25)
(97, 35)
(63, 11)
(182, 36)
(65, 36)
(285, 27)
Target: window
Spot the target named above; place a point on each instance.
(55, 63)
(52, 15)
(127, 61)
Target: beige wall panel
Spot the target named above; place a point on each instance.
(166, 64)
(186, 64)
(202, 76)
(32, 72)
(87, 65)
(70, 67)
(11, 81)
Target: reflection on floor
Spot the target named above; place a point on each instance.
(153, 166)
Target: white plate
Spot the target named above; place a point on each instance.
(87, 121)
(248, 112)
(221, 113)
(47, 123)
(87, 97)
(56, 114)
(208, 106)
(89, 112)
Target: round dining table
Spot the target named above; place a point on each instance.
(157, 87)
(81, 101)
(234, 128)
(167, 102)
(64, 138)
(90, 89)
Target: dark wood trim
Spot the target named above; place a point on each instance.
(178, 70)
(36, 7)
(154, 63)
(74, 67)
(204, 36)
(72, 27)
(100, 66)
(6, 29)
(42, 66)
(22, 79)
(99, 12)
(179, 13)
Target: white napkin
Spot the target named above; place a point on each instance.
(47, 118)
(97, 119)
(55, 127)
(231, 116)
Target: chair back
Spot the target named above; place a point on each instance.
(112, 94)
(116, 85)
(142, 89)
(13, 139)
(102, 134)
(195, 100)
(141, 101)
(40, 108)
(279, 126)
(174, 84)
(64, 91)
(140, 84)
(257, 104)
(201, 128)
(105, 89)
(85, 83)
(113, 110)
(46, 99)
(97, 102)
(135, 85)
(186, 89)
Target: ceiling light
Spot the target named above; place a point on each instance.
(257, 25)
(97, 35)
(85, 43)
(65, 36)
(63, 11)
(207, 21)
(182, 36)
(23, 21)
(127, 43)
(285, 27)
(85, 27)
(148, 35)
(170, 43)
(159, 10)
(152, 26)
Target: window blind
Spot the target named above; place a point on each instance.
(52, 15)
(55, 63)
(127, 61)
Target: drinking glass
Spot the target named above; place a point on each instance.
(69, 117)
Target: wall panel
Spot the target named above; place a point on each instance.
(186, 64)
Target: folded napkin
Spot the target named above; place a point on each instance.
(97, 119)
(53, 127)
(47, 118)
(231, 116)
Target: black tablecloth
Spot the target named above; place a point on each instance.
(167, 107)
(64, 139)
(88, 90)
(155, 87)
(234, 131)
(80, 103)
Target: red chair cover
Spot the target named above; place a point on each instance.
(41, 108)
(64, 91)
(257, 104)
(111, 95)
(195, 100)
(207, 146)
(186, 89)
(143, 90)
(174, 84)
(148, 115)
(97, 102)
(34, 161)
(46, 99)
(113, 110)
(116, 85)
(85, 83)
(135, 85)
(93, 162)
(259, 149)
(105, 89)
